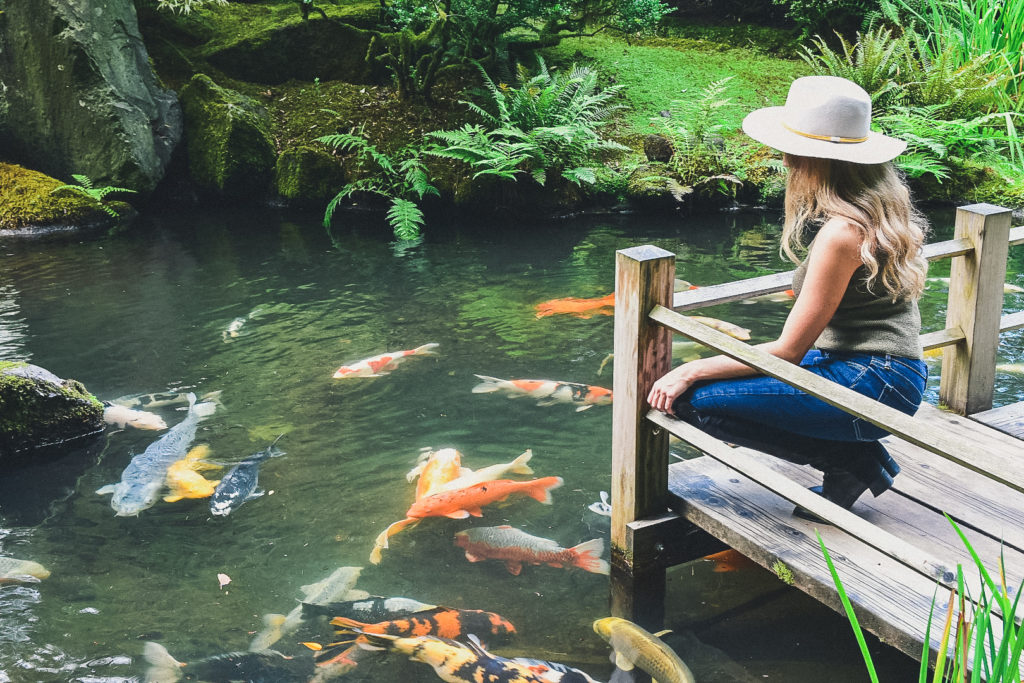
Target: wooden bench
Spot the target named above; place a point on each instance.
(895, 554)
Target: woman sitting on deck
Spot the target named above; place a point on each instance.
(857, 291)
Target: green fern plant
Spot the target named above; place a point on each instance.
(873, 62)
(547, 125)
(85, 186)
(694, 129)
(400, 178)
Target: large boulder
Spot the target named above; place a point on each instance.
(39, 409)
(227, 137)
(28, 201)
(77, 94)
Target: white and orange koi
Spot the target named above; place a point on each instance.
(547, 391)
(382, 364)
(489, 473)
(436, 469)
(515, 548)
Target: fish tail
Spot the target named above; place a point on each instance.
(542, 491)
(205, 409)
(587, 556)
(347, 625)
(381, 542)
(334, 653)
(488, 384)
(519, 465)
(426, 349)
(163, 668)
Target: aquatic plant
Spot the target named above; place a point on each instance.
(400, 178)
(995, 648)
(547, 124)
(85, 186)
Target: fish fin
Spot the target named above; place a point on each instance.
(476, 646)
(427, 349)
(547, 402)
(173, 498)
(519, 465)
(659, 634)
(357, 594)
(474, 558)
(622, 676)
(109, 488)
(514, 568)
(543, 493)
(163, 668)
(411, 475)
(487, 385)
(587, 556)
(580, 409)
(622, 662)
(462, 514)
(345, 623)
(315, 647)
(258, 493)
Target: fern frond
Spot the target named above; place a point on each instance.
(405, 218)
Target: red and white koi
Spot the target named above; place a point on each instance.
(515, 548)
(547, 391)
(382, 364)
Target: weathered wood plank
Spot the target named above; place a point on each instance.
(1011, 321)
(643, 278)
(955, 442)
(1016, 236)
(936, 251)
(732, 291)
(975, 305)
(1007, 419)
(941, 338)
(891, 600)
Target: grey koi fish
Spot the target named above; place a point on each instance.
(241, 482)
(143, 479)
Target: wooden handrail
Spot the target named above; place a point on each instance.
(1005, 467)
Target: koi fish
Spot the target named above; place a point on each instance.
(241, 482)
(140, 419)
(265, 666)
(554, 671)
(23, 571)
(602, 507)
(184, 480)
(381, 543)
(370, 609)
(435, 469)
(489, 473)
(462, 503)
(443, 622)
(382, 364)
(580, 308)
(233, 330)
(734, 331)
(548, 392)
(516, 547)
(164, 400)
(339, 585)
(633, 647)
(455, 662)
(144, 476)
(729, 561)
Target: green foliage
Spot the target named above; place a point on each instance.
(695, 130)
(640, 16)
(814, 16)
(996, 647)
(873, 62)
(85, 186)
(408, 14)
(186, 6)
(546, 125)
(399, 178)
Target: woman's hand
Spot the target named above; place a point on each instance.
(670, 386)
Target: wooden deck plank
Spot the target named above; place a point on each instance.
(1007, 419)
(891, 600)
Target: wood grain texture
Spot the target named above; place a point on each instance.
(1007, 419)
(975, 306)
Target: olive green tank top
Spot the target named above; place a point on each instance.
(868, 323)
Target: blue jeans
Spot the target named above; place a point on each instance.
(769, 415)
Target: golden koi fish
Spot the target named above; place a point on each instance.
(436, 468)
(636, 648)
(184, 480)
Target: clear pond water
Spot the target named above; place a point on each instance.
(148, 310)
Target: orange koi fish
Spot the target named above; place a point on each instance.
(435, 469)
(580, 308)
(516, 548)
(462, 503)
(729, 561)
(382, 364)
(547, 391)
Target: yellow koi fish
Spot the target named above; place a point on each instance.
(184, 480)
(636, 648)
(435, 469)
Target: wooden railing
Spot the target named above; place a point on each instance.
(647, 313)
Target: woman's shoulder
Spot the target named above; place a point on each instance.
(840, 234)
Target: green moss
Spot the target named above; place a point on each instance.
(230, 150)
(308, 174)
(34, 413)
(26, 199)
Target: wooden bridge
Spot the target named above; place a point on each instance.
(891, 552)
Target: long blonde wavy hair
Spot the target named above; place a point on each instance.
(874, 198)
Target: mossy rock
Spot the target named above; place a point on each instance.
(328, 50)
(651, 186)
(39, 410)
(229, 147)
(970, 182)
(27, 201)
(308, 175)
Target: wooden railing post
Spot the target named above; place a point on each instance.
(975, 305)
(643, 352)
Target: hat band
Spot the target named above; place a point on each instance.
(826, 138)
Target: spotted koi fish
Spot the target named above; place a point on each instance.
(462, 503)
(516, 547)
(580, 308)
(455, 662)
(547, 391)
(382, 364)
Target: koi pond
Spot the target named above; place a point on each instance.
(264, 307)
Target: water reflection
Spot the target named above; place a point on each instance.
(13, 327)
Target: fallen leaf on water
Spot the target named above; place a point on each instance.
(224, 579)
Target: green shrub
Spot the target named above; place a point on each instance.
(815, 16)
(98, 194)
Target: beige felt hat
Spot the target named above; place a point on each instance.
(826, 117)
